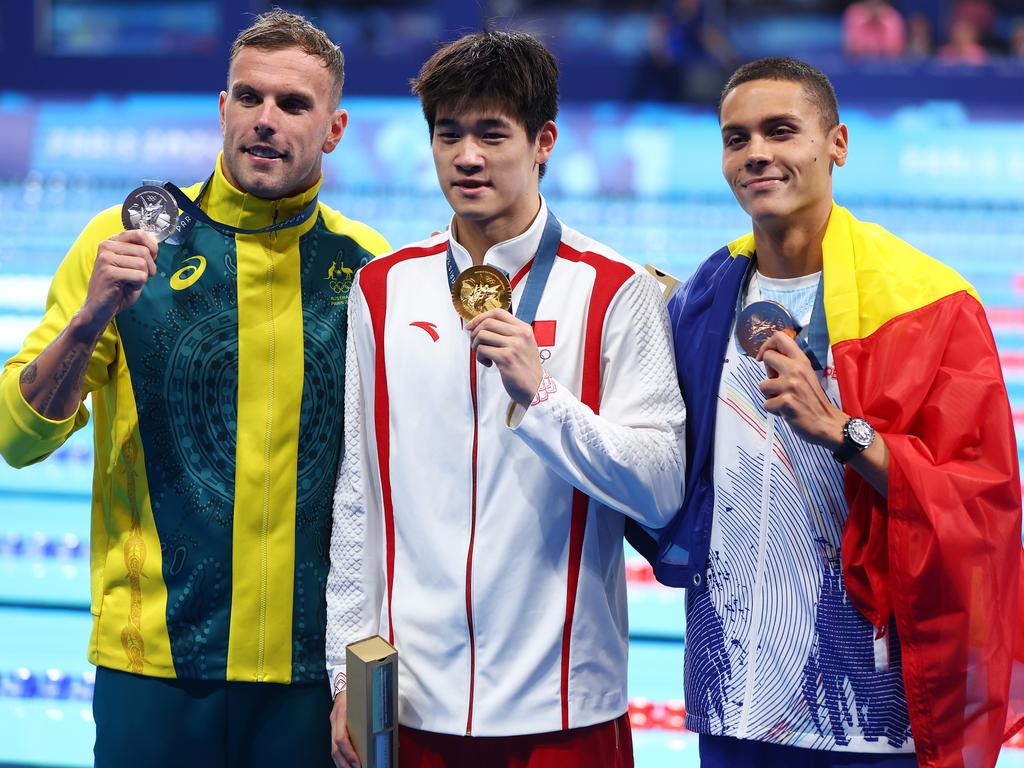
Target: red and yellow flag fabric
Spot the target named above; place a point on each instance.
(915, 356)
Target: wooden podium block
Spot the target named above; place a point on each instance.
(371, 667)
(668, 283)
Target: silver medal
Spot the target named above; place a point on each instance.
(151, 209)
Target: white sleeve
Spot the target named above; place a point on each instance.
(630, 457)
(355, 583)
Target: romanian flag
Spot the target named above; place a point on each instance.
(915, 356)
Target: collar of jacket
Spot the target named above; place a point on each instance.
(227, 204)
(510, 255)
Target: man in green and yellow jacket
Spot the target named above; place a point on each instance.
(216, 371)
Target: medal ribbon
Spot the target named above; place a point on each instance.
(192, 213)
(543, 260)
(811, 338)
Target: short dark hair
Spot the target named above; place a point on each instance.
(511, 71)
(815, 83)
(276, 30)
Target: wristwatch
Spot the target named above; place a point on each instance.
(857, 435)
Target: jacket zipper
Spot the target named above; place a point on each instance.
(267, 441)
(762, 546)
(472, 537)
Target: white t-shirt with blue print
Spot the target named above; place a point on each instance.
(775, 651)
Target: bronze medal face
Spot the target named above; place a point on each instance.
(479, 289)
(152, 209)
(759, 320)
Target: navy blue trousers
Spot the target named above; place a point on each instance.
(726, 752)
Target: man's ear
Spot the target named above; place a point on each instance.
(840, 144)
(222, 103)
(339, 121)
(546, 138)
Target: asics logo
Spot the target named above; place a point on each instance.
(189, 274)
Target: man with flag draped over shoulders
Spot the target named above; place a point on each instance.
(851, 533)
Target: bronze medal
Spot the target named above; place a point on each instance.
(759, 320)
(479, 289)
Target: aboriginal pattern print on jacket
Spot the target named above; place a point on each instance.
(181, 341)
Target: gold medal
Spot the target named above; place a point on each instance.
(479, 289)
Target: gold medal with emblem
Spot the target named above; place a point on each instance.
(479, 289)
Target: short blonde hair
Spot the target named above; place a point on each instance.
(276, 30)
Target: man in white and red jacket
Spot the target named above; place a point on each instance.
(489, 466)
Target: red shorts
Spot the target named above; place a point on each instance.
(605, 745)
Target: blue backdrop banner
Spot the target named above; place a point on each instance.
(938, 150)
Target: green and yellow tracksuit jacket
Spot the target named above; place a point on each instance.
(217, 401)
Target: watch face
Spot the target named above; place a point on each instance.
(860, 432)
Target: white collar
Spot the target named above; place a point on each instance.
(509, 255)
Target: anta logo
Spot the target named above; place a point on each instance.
(339, 278)
(188, 274)
(429, 328)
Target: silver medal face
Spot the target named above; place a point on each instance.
(151, 209)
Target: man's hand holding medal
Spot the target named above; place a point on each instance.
(126, 261)
(482, 295)
(792, 391)
(767, 331)
(499, 337)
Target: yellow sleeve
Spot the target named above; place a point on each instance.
(368, 238)
(25, 435)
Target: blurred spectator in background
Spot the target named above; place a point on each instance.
(873, 28)
(919, 36)
(657, 76)
(1017, 40)
(964, 46)
(979, 14)
(688, 54)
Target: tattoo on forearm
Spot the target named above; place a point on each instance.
(66, 383)
(29, 373)
(56, 390)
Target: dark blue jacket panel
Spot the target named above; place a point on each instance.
(701, 313)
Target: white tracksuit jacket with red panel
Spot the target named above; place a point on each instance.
(484, 541)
